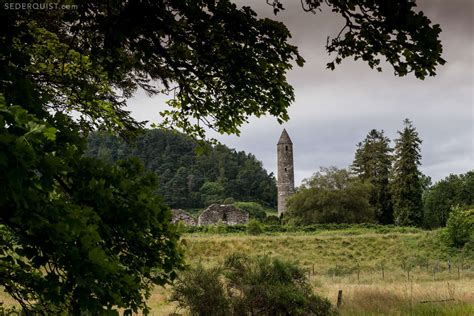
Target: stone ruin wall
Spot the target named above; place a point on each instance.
(227, 214)
(179, 215)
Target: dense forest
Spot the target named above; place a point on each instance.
(189, 179)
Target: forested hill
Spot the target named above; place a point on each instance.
(189, 180)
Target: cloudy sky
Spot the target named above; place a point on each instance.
(334, 110)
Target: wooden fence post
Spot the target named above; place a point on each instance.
(358, 270)
(339, 299)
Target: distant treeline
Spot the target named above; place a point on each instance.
(383, 185)
(188, 179)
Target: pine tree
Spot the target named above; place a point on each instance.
(372, 163)
(407, 188)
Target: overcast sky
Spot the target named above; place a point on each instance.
(334, 110)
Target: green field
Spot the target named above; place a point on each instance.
(351, 260)
(441, 280)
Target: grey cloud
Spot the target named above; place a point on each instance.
(334, 110)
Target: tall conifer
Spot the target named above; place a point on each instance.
(372, 163)
(407, 188)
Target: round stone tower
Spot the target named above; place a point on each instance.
(286, 176)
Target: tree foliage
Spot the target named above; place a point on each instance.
(373, 163)
(220, 63)
(76, 233)
(331, 196)
(372, 29)
(438, 201)
(407, 187)
(201, 291)
(81, 234)
(460, 227)
(255, 210)
(188, 178)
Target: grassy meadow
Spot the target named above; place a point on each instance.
(352, 260)
(369, 265)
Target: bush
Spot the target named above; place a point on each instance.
(250, 286)
(254, 209)
(460, 226)
(218, 228)
(254, 228)
(269, 286)
(272, 220)
(202, 292)
(229, 200)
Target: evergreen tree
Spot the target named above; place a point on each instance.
(82, 235)
(372, 163)
(407, 186)
(186, 179)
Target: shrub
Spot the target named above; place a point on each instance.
(254, 209)
(229, 200)
(272, 220)
(460, 226)
(202, 292)
(218, 228)
(250, 286)
(254, 227)
(269, 286)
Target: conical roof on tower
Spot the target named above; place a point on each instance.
(284, 138)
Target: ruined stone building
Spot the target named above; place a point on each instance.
(225, 214)
(286, 176)
(179, 215)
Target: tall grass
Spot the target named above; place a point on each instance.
(325, 249)
(352, 259)
(403, 298)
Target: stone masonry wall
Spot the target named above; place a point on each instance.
(227, 214)
(179, 215)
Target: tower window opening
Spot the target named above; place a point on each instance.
(286, 147)
(285, 169)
